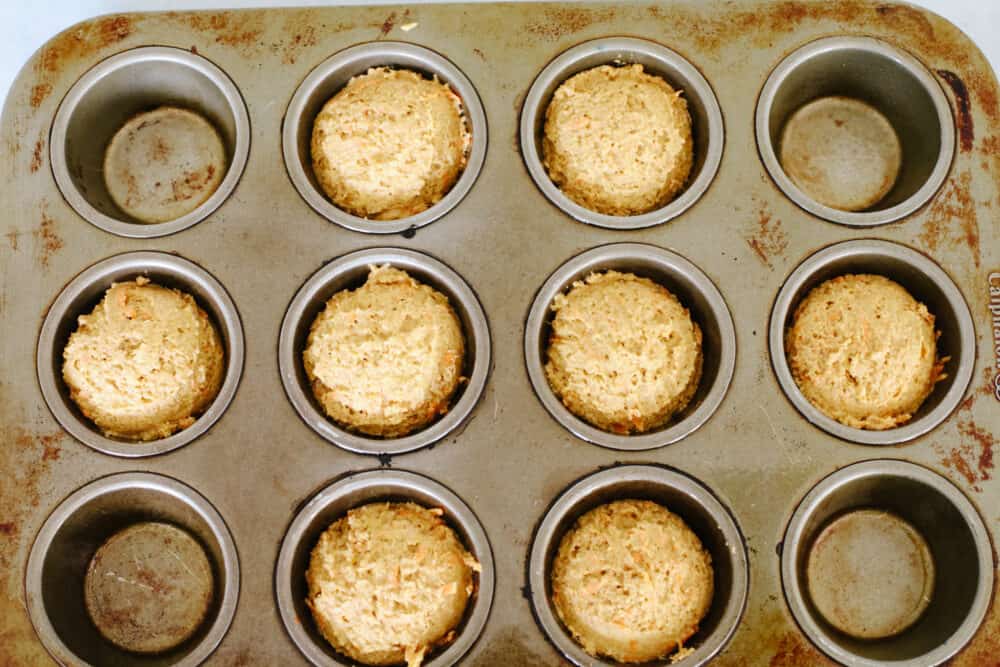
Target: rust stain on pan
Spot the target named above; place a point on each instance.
(387, 25)
(768, 239)
(81, 43)
(972, 456)
(508, 648)
(558, 23)
(47, 239)
(238, 30)
(952, 220)
(794, 650)
(984, 649)
(963, 114)
(37, 155)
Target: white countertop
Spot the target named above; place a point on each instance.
(26, 27)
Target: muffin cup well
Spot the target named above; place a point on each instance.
(80, 297)
(695, 291)
(333, 74)
(349, 272)
(927, 283)
(706, 122)
(890, 80)
(710, 520)
(111, 93)
(333, 502)
(948, 522)
(78, 526)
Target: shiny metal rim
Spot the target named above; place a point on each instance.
(356, 60)
(241, 150)
(357, 489)
(784, 306)
(316, 291)
(608, 50)
(669, 264)
(69, 304)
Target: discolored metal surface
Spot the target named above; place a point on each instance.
(509, 460)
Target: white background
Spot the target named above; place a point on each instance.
(25, 26)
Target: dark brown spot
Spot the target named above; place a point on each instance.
(963, 115)
(38, 94)
(47, 239)
(36, 155)
(479, 53)
(387, 25)
(768, 238)
(12, 239)
(558, 23)
(8, 528)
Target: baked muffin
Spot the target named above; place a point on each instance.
(163, 164)
(386, 358)
(863, 351)
(389, 582)
(144, 363)
(390, 144)
(631, 581)
(617, 140)
(149, 587)
(624, 354)
(841, 152)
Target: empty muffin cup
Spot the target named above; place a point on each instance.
(75, 532)
(885, 561)
(332, 503)
(839, 100)
(349, 272)
(706, 122)
(693, 289)
(84, 292)
(928, 284)
(686, 497)
(113, 92)
(333, 74)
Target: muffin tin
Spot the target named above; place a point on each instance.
(749, 466)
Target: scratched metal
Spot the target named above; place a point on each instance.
(757, 453)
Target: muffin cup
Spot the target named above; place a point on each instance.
(711, 521)
(892, 81)
(78, 526)
(110, 94)
(349, 272)
(333, 74)
(84, 292)
(706, 122)
(695, 291)
(927, 283)
(958, 542)
(333, 502)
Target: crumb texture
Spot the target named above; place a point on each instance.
(386, 358)
(390, 144)
(631, 581)
(863, 351)
(389, 582)
(617, 140)
(624, 354)
(144, 363)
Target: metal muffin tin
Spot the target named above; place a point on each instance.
(509, 461)
(82, 523)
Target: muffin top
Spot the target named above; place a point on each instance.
(163, 164)
(390, 144)
(385, 359)
(389, 582)
(631, 581)
(624, 354)
(149, 587)
(618, 140)
(863, 351)
(144, 363)
(842, 152)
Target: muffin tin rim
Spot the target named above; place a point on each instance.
(460, 296)
(138, 230)
(766, 149)
(139, 263)
(782, 309)
(456, 511)
(110, 483)
(556, 68)
(578, 490)
(595, 259)
(449, 72)
(795, 596)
